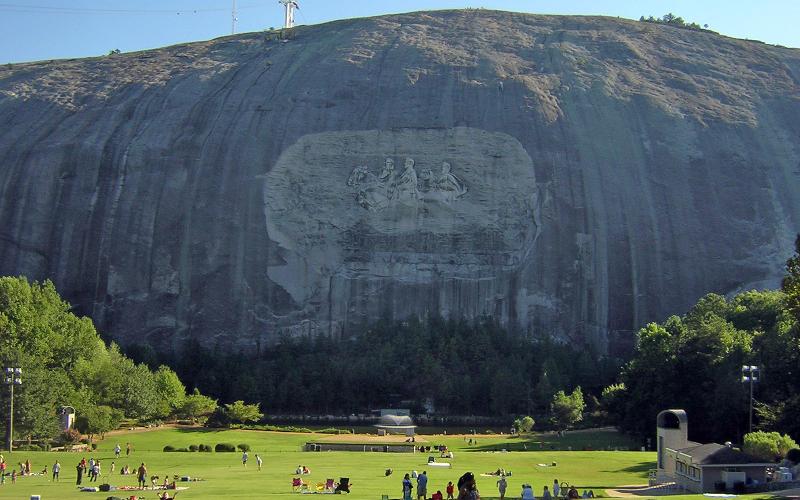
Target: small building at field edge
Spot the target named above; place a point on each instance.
(702, 468)
(396, 421)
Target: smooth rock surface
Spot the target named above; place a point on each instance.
(572, 176)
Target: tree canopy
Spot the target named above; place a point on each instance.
(567, 409)
(65, 362)
(694, 362)
(463, 367)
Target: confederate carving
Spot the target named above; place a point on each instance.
(377, 192)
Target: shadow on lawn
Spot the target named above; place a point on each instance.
(641, 468)
(591, 440)
(198, 430)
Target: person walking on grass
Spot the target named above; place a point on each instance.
(244, 459)
(56, 470)
(127, 449)
(422, 485)
(117, 450)
(258, 461)
(502, 484)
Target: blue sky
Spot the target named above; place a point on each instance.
(33, 30)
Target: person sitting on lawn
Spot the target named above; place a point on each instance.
(437, 495)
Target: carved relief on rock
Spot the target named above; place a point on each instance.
(376, 193)
(463, 206)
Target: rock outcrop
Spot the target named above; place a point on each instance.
(574, 177)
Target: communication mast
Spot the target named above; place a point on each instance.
(289, 7)
(233, 18)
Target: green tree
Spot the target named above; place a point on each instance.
(196, 405)
(567, 409)
(170, 390)
(524, 424)
(769, 446)
(791, 282)
(97, 420)
(239, 412)
(138, 396)
(613, 400)
(65, 362)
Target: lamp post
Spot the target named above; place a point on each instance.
(13, 377)
(750, 374)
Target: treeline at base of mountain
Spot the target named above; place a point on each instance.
(448, 366)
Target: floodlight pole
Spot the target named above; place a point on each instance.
(13, 377)
(750, 374)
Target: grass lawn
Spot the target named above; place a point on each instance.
(226, 478)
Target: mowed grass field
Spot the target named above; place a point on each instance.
(226, 478)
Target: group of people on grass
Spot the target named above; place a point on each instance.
(467, 489)
(559, 491)
(245, 457)
(25, 469)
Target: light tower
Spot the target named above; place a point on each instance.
(13, 377)
(289, 7)
(750, 375)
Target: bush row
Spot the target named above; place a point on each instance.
(220, 447)
(289, 428)
(192, 447)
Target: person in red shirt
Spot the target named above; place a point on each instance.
(450, 490)
(437, 496)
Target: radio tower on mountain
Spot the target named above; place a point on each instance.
(289, 6)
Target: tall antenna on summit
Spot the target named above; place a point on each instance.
(289, 6)
(233, 18)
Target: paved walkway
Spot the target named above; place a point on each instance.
(641, 490)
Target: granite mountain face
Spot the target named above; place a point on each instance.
(574, 177)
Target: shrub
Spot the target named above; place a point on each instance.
(183, 450)
(206, 448)
(194, 447)
(69, 437)
(84, 441)
(333, 430)
(793, 455)
(243, 447)
(768, 445)
(94, 446)
(224, 447)
(524, 424)
(169, 448)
